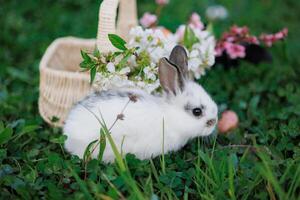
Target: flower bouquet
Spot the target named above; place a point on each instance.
(238, 43)
(135, 62)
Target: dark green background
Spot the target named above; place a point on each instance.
(266, 98)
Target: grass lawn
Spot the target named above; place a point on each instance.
(259, 160)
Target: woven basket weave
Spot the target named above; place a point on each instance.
(61, 82)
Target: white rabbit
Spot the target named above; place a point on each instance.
(185, 110)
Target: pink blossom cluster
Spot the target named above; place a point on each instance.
(162, 2)
(195, 21)
(148, 20)
(233, 42)
(269, 39)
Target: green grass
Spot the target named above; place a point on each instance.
(259, 160)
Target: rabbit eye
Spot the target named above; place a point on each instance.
(197, 112)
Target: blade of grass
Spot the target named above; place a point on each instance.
(207, 178)
(113, 186)
(154, 171)
(266, 172)
(80, 183)
(295, 183)
(102, 145)
(231, 178)
(162, 160)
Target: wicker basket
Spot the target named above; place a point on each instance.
(61, 82)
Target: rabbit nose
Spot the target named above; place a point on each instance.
(211, 122)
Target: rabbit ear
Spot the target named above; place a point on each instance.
(179, 58)
(169, 76)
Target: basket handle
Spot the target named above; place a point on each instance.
(107, 21)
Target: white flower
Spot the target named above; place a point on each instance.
(118, 59)
(150, 73)
(201, 55)
(157, 53)
(110, 67)
(216, 12)
(154, 45)
(132, 61)
(124, 71)
(151, 87)
(194, 64)
(148, 40)
(199, 72)
(112, 81)
(194, 53)
(136, 32)
(138, 78)
(141, 84)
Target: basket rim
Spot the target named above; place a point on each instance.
(53, 47)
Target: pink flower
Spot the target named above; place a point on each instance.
(285, 31)
(235, 50)
(230, 39)
(219, 48)
(195, 17)
(252, 40)
(219, 51)
(281, 34)
(269, 39)
(195, 21)
(180, 32)
(162, 2)
(239, 30)
(148, 20)
(229, 121)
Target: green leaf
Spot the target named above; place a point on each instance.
(186, 39)
(54, 192)
(117, 53)
(3, 154)
(102, 144)
(81, 183)
(117, 42)
(85, 65)
(117, 154)
(210, 28)
(1, 126)
(96, 52)
(85, 56)
(59, 140)
(26, 130)
(88, 151)
(54, 119)
(5, 135)
(30, 128)
(124, 60)
(189, 38)
(93, 74)
(31, 176)
(87, 62)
